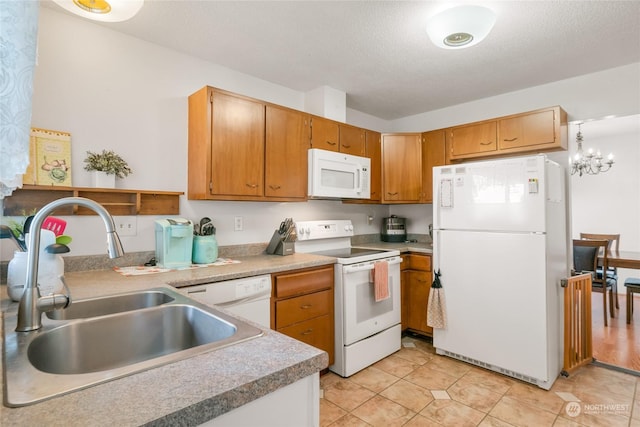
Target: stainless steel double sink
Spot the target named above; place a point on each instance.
(101, 339)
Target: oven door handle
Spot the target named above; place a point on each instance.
(368, 265)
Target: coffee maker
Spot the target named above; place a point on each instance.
(174, 242)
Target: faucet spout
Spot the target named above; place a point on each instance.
(31, 304)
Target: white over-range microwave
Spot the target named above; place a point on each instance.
(334, 175)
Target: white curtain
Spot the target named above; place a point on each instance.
(18, 37)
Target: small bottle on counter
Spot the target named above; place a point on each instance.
(50, 269)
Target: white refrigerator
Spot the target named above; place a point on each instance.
(500, 244)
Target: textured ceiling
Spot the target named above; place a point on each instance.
(379, 54)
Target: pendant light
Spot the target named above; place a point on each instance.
(589, 163)
(102, 10)
(460, 26)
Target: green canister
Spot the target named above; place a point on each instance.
(205, 249)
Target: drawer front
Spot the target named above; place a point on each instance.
(302, 282)
(417, 262)
(299, 309)
(316, 332)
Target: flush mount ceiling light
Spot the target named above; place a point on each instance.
(460, 26)
(102, 10)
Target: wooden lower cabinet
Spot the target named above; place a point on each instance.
(302, 306)
(416, 282)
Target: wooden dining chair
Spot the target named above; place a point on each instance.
(614, 244)
(585, 258)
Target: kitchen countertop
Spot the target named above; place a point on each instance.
(422, 247)
(191, 391)
(197, 389)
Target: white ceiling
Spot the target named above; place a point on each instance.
(379, 54)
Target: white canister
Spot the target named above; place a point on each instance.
(50, 269)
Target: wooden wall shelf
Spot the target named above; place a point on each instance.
(116, 201)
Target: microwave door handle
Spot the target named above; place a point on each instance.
(359, 187)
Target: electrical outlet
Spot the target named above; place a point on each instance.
(238, 223)
(126, 225)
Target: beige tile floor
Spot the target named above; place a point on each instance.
(415, 387)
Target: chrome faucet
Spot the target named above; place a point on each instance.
(32, 304)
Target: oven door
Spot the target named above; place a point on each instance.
(362, 315)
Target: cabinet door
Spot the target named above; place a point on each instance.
(476, 139)
(527, 130)
(373, 151)
(286, 144)
(417, 288)
(433, 154)
(325, 134)
(352, 140)
(401, 168)
(237, 146)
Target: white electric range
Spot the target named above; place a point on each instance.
(365, 330)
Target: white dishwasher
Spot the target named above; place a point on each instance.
(247, 297)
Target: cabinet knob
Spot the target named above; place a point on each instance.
(252, 185)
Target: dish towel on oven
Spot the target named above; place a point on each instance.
(380, 279)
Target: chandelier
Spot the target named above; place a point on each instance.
(588, 163)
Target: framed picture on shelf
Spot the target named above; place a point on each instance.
(50, 158)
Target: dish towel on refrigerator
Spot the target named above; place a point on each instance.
(380, 279)
(436, 307)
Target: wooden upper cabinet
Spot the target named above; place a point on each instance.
(531, 132)
(286, 144)
(352, 140)
(373, 150)
(474, 139)
(328, 134)
(237, 146)
(536, 129)
(325, 134)
(433, 154)
(245, 149)
(401, 168)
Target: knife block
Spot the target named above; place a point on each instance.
(277, 245)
